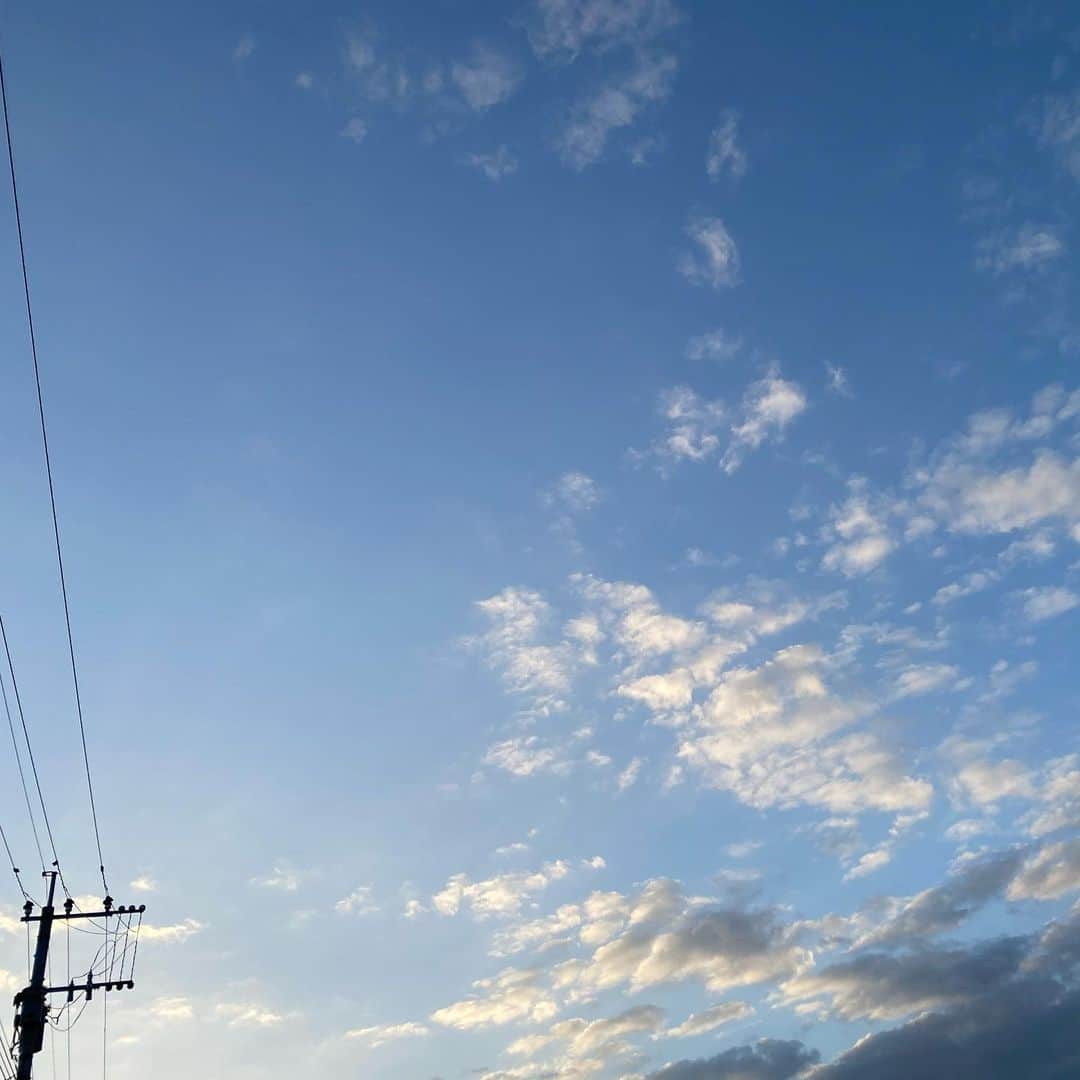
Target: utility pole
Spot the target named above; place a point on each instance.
(31, 1004)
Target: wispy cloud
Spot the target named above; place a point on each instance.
(725, 157)
(715, 260)
(497, 165)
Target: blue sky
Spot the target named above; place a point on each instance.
(572, 514)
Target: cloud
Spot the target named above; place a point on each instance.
(244, 48)
(486, 79)
(527, 755)
(573, 491)
(693, 425)
(709, 1019)
(359, 902)
(968, 585)
(282, 877)
(1047, 602)
(304, 80)
(918, 679)
(669, 938)
(1029, 248)
(248, 1015)
(837, 380)
(1051, 872)
(944, 907)
(495, 166)
(144, 883)
(767, 1059)
(588, 1036)
(724, 155)
(771, 735)
(716, 260)
(882, 986)
(511, 996)
(768, 407)
(355, 130)
(539, 670)
(562, 29)
(858, 534)
(613, 107)
(504, 894)
(381, 1034)
(175, 934)
(1059, 129)
(713, 345)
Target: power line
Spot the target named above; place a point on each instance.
(48, 471)
(30, 749)
(22, 773)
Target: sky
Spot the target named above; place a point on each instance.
(571, 513)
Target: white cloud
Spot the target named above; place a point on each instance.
(511, 996)
(486, 79)
(713, 345)
(1047, 602)
(968, 585)
(919, 679)
(283, 877)
(355, 130)
(248, 1015)
(724, 155)
(304, 80)
(495, 166)
(1052, 872)
(574, 491)
(1030, 248)
(716, 260)
(527, 755)
(504, 894)
(710, 1019)
(628, 777)
(144, 883)
(564, 28)
(171, 1010)
(359, 902)
(768, 407)
(244, 48)
(381, 1034)
(541, 671)
(987, 782)
(1059, 129)
(837, 380)
(614, 107)
(858, 533)
(693, 423)
(175, 934)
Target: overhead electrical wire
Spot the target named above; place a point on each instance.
(49, 473)
(30, 752)
(22, 772)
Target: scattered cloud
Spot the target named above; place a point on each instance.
(380, 1034)
(713, 345)
(613, 107)
(725, 157)
(244, 48)
(1029, 248)
(486, 79)
(359, 902)
(355, 130)
(497, 165)
(715, 260)
(1047, 602)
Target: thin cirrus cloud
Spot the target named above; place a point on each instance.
(714, 259)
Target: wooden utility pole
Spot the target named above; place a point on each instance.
(31, 1003)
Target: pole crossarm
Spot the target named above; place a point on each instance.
(31, 1003)
(60, 917)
